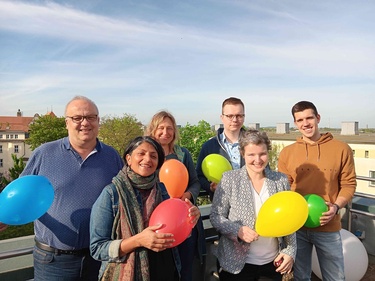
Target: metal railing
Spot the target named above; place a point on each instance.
(16, 253)
(27, 251)
(356, 211)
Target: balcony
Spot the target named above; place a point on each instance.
(358, 217)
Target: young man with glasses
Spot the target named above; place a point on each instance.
(226, 141)
(79, 167)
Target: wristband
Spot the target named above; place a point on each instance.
(338, 208)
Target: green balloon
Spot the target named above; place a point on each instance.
(214, 165)
(317, 206)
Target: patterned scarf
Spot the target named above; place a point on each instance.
(180, 154)
(130, 220)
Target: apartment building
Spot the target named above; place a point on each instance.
(13, 132)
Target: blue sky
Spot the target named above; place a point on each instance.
(138, 57)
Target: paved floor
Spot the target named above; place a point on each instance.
(370, 273)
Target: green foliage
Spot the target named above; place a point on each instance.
(203, 200)
(14, 231)
(14, 172)
(45, 129)
(368, 131)
(192, 137)
(273, 155)
(119, 131)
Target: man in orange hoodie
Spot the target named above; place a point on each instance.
(319, 164)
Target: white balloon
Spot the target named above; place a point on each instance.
(355, 257)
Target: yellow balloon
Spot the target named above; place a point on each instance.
(282, 214)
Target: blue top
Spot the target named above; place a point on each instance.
(77, 184)
(102, 247)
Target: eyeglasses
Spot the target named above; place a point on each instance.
(79, 118)
(238, 116)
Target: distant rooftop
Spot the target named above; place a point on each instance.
(362, 138)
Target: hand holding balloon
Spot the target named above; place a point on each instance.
(316, 207)
(329, 214)
(174, 216)
(247, 234)
(213, 186)
(151, 239)
(194, 213)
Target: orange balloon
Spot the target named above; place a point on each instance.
(175, 176)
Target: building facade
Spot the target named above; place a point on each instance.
(14, 130)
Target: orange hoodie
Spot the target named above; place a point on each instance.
(325, 168)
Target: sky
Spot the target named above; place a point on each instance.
(186, 56)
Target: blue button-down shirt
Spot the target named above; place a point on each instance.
(233, 150)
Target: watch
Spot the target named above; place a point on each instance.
(338, 208)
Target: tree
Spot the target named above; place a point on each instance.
(45, 129)
(13, 172)
(119, 131)
(274, 155)
(192, 137)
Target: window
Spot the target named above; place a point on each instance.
(1, 149)
(353, 152)
(7, 136)
(1, 136)
(16, 136)
(372, 175)
(1, 162)
(16, 149)
(366, 153)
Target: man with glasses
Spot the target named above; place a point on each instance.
(79, 167)
(226, 141)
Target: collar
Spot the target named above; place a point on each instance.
(67, 145)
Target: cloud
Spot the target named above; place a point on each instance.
(167, 54)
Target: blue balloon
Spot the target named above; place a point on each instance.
(25, 199)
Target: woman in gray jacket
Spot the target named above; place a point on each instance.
(242, 253)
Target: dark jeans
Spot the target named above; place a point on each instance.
(51, 267)
(187, 251)
(252, 272)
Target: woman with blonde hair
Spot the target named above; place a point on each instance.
(163, 128)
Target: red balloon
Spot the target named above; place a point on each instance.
(175, 176)
(173, 215)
